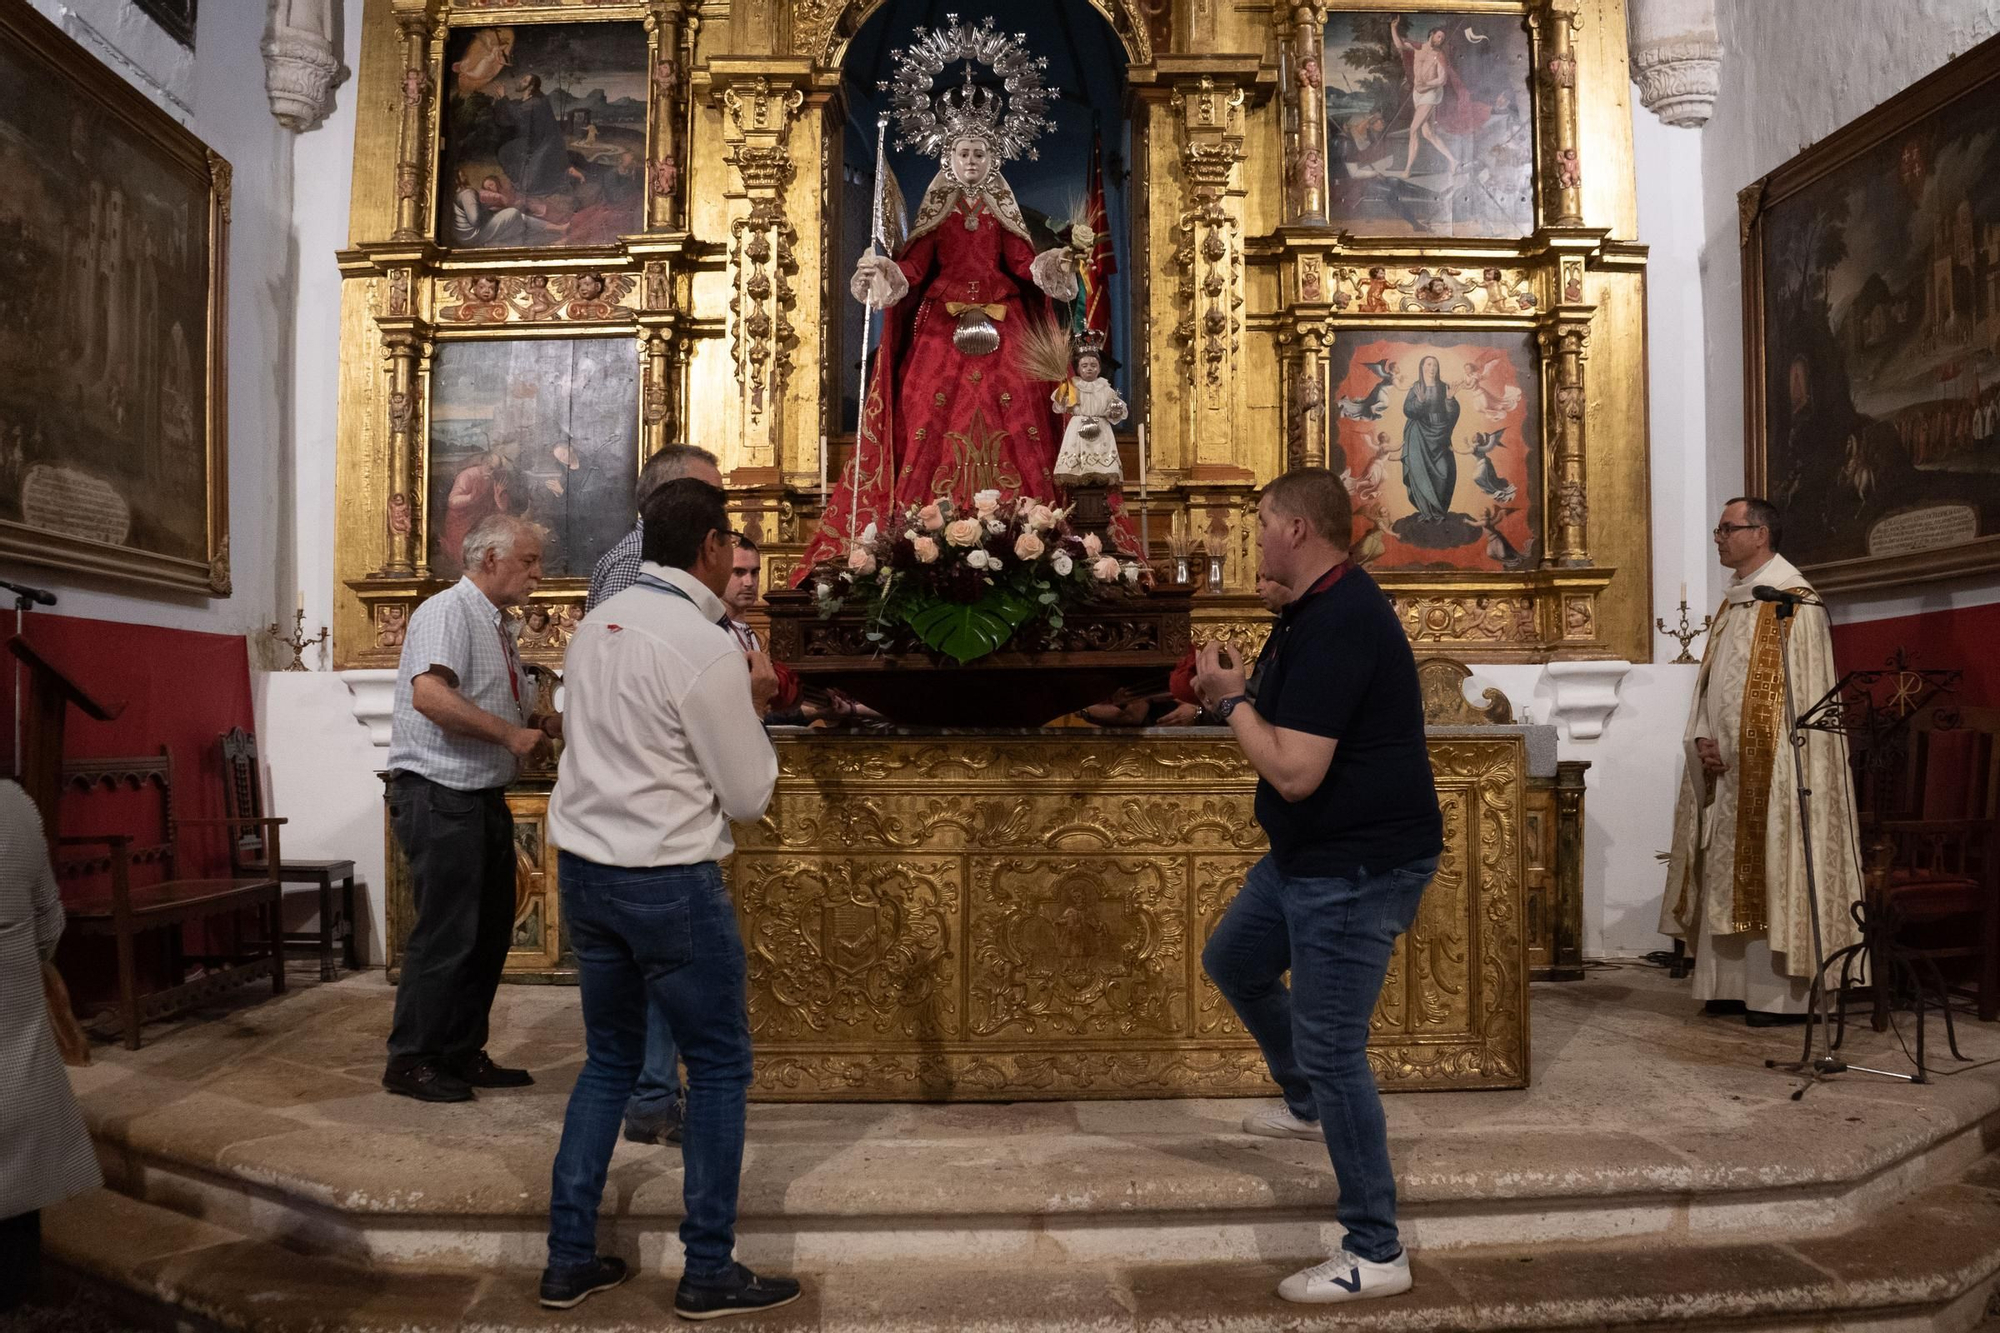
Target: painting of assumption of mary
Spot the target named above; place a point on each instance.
(544, 136)
(1429, 124)
(1440, 448)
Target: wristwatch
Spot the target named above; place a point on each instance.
(1227, 706)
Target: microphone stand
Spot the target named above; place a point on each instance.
(1816, 1068)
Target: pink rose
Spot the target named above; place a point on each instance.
(1093, 546)
(1106, 569)
(861, 560)
(1041, 518)
(931, 517)
(1027, 546)
(985, 502)
(927, 550)
(964, 532)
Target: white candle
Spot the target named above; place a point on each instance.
(1684, 592)
(822, 474)
(1145, 526)
(302, 601)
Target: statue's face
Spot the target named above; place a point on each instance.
(971, 162)
(1087, 368)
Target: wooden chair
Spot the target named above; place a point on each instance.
(243, 794)
(103, 897)
(1934, 881)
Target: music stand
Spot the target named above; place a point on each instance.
(1851, 709)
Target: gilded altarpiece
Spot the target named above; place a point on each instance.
(1246, 285)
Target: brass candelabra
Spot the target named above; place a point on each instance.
(298, 642)
(1686, 634)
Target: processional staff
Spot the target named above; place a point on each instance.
(868, 317)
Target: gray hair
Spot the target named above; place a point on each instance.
(671, 463)
(496, 534)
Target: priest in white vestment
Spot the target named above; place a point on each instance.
(1736, 880)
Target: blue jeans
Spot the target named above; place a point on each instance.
(1335, 937)
(665, 934)
(657, 1098)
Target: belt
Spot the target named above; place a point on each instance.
(960, 307)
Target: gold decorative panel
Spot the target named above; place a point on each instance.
(1022, 916)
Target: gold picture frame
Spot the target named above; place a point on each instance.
(1872, 358)
(113, 441)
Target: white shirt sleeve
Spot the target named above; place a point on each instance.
(729, 741)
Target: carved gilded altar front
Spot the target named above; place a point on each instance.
(1022, 916)
(719, 293)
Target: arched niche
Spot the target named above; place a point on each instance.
(822, 29)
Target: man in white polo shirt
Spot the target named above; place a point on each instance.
(665, 746)
(464, 721)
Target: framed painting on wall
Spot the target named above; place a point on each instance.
(112, 241)
(546, 428)
(544, 135)
(1429, 123)
(1440, 436)
(1871, 291)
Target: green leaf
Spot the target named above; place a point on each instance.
(968, 632)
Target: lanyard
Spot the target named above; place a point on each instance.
(661, 585)
(507, 652)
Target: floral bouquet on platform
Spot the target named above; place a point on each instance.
(966, 585)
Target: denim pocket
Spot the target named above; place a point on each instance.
(660, 934)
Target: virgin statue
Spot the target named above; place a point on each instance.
(1430, 468)
(949, 409)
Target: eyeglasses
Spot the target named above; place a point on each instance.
(1724, 529)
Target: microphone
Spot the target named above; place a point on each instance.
(39, 596)
(1764, 592)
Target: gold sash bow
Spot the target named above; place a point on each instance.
(960, 307)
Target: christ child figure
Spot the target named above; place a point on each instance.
(1089, 453)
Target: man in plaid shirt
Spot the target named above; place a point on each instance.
(618, 568)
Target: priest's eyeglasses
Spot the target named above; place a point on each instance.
(1725, 529)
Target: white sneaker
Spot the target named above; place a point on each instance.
(1347, 1277)
(1280, 1123)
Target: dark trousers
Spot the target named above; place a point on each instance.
(662, 938)
(1334, 936)
(20, 1260)
(460, 846)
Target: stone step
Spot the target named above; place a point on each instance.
(1645, 1120)
(1928, 1262)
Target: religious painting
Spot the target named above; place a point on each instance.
(1429, 124)
(544, 135)
(1440, 446)
(1872, 303)
(544, 428)
(111, 245)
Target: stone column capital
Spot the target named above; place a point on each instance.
(1676, 54)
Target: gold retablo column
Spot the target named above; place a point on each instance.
(663, 175)
(413, 155)
(1563, 351)
(1305, 200)
(1561, 174)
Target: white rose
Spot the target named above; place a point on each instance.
(1130, 574)
(868, 534)
(994, 564)
(977, 558)
(986, 501)
(996, 526)
(1061, 563)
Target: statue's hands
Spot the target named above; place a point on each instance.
(878, 282)
(1118, 411)
(1054, 274)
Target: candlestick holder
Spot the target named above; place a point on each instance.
(298, 642)
(1686, 634)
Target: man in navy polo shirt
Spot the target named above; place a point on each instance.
(1344, 793)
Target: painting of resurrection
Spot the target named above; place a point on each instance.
(544, 135)
(109, 299)
(1875, 360)
(1429, 124)
(1440, 447)
(544, 428)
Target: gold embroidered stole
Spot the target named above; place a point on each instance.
(1760, 732)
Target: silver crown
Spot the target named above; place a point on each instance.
(1010, 121)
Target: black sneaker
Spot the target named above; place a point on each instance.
(742, 1292)
(654, 1129)
(1731, 1008)
(565, 1289)
(1758, 1018)
(427, 1082)
(480, 1072)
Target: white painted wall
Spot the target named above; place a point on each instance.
(218, 92)
(1793, 72)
